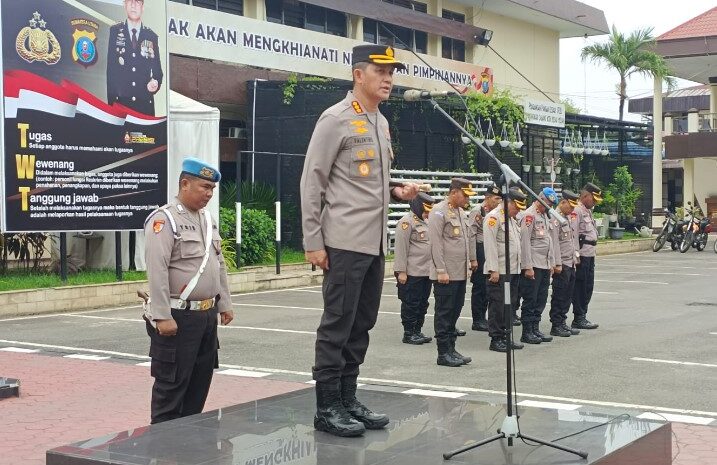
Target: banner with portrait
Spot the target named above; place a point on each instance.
(84, 113)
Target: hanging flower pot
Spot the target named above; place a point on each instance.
(604, 151)
(576, 170)
(465, 140)
(504, 142)
(558, 169)
(588, 144)
(526, 168)
(537, 168)
(480, 137)
(518, 144)
(567, 146)
(490, 135)
(580, 148)
(548, 169)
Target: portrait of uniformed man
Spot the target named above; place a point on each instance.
(345, 193)
(188, 292)
(134, 69)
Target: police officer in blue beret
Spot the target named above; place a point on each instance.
(134, 68)
(189, 292)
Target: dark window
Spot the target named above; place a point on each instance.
(235, 7)
(298, 14)
(451, 48)
(376, 32)
(211, 4)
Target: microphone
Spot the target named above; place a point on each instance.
(414, 95)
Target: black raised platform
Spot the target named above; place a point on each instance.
(279, 430)
(9, 387)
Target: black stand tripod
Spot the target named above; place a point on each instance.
(509, 429)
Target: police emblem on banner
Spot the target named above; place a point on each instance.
(84, 48)
(36, 42)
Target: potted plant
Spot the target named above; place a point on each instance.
(625, 193)
(526, 168)
(538, 168)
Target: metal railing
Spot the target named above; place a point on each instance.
(707, 122)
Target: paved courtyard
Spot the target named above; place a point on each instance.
(652, 357)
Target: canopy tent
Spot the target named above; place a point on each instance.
(193, 131)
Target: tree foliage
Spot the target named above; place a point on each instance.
(628, 55)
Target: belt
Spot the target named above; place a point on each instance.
(197, 305)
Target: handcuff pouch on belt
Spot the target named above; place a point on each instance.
(182, 303)
(582, 241)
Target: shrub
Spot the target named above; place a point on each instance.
(257, 234)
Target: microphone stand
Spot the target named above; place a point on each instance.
(510, 429)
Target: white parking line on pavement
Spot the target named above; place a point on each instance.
(631, 282)
(426, 392)
(714, 334)
(651, 273)
(244, 373)
(673, 362)
(86, 357)
(144, 364)
(393, 382)
(671, 266)
(20, 350)
(138, 320)
(548, 405)
(676, 418)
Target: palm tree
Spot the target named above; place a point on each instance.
(629, 55)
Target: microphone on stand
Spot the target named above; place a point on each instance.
(414, 95)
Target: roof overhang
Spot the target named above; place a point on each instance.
(694, 59)
(568, 17)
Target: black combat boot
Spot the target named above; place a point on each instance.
(480, 325)
(573, 331)
(417, 329)
(528, 337)
(331, 415)
(583, 323)
(516, 345)
(458, 355)
(358, 410)
(410, 336)
(460, 332)
(498, 344)
(445, 356)
(538, 333)
(558, 330)
(516, 319)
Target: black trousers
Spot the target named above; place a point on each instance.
(352, 295)
(182, 365)
(449, 302)
(563, 285)
(584, 284)
(534, 293)
(414, 301)
(496, 317)
(479, 291)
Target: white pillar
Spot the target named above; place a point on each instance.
(688, 189)
(657, 151)
(435, 8)
(355, 27)
(255, 9)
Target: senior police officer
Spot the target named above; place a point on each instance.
(494, 243)
(412, 266)
(134, 68)
(453, 257)
(565, 241)
(537, 262)
(479, 296)
(188, 287)
(344, 205)
(587, 242)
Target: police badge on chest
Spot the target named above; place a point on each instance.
(147, 49)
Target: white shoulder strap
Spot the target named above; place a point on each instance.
(208, 244)
(172, 223)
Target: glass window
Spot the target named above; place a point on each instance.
(273, 11)
(315, 18)
(186, 2)
(451, 48)
(336, 23)
(421, 41)
(370, 30)
(235, 7)
(211, 4)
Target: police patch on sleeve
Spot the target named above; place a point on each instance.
(492, 222)
(157, 226)
(528, 220)
(404, 225)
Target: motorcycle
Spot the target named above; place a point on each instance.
(669, 228)
(696, 233)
